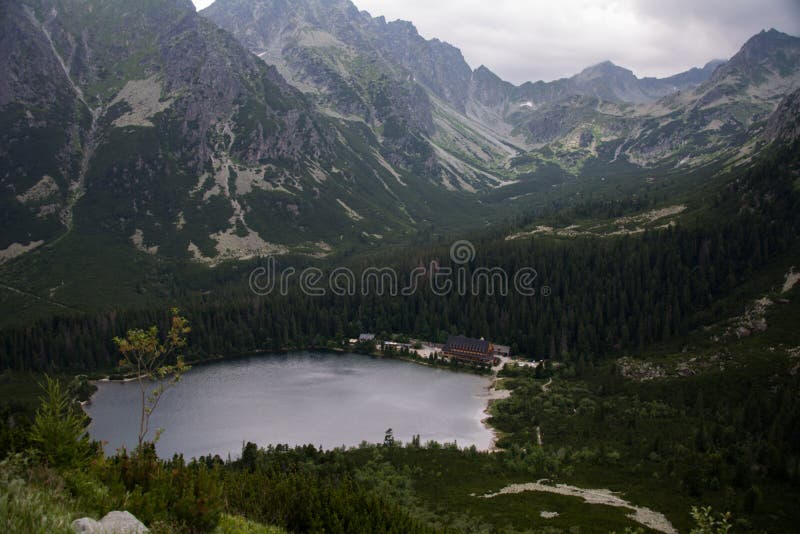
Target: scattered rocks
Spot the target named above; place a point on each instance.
(751, 322)
(791, 279)
(643, 371)
(640, 370)
(698, 364)
(794, 353)
(112, 523)
(684, 369)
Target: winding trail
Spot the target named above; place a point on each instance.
(546, 387)
(37, 297)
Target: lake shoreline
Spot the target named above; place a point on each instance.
(492, 394)
(422, 394)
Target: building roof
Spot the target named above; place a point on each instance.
(366, 337)
(467, 344)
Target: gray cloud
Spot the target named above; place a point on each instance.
(524, 40)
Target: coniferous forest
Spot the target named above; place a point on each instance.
(594, 297)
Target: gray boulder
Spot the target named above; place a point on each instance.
(112, 523)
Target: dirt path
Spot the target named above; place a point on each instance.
(37, 297)
(643, 516)
(792, 278)
(546, 387)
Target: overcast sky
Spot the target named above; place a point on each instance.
(522, 40)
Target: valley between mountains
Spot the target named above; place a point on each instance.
(310, 128)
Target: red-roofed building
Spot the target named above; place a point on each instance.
(471, 350)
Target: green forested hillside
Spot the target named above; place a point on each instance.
(596, 297)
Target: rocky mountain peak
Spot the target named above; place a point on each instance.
(290, 32)
(767, 38)
(484, 73)
(604, 68)
(767, 53)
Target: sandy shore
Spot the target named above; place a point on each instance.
(492, 394)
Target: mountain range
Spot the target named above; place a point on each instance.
(309, 127)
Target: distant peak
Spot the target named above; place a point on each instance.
(603, 65)
(769, 36)
(605, 68)
(484, 73)
(767, 42)
(772, 32)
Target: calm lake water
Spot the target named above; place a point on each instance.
(320, 398)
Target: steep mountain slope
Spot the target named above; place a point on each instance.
(43, 118)
(470, 126)
(718, 120)
(410, 91)
(784, 124)
(724, 116)
(159, 130)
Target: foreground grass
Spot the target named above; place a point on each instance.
(230, 524)
(29, 508)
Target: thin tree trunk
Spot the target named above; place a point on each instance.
(141, 421)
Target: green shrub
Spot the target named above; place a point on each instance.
(709, 523)
(58, 434)
(170, 492)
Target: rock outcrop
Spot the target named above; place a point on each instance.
(112, 523)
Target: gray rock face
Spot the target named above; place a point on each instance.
(785, 122)
(201, 144)
(352, 63)
(112, 523)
